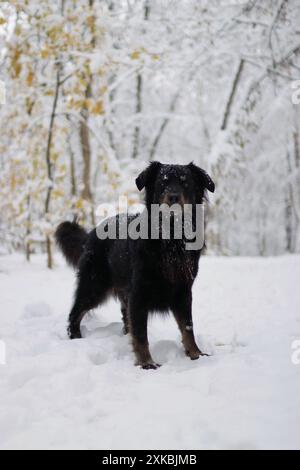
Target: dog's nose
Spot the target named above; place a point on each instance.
(174, 198)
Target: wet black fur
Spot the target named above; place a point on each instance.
(71, 239)
(145, 275)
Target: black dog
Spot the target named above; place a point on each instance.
(145, 275)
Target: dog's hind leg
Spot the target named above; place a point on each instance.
(125, 314)
(91, 292)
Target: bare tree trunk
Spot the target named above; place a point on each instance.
(72, 172)
(28, 231)
(232, 95)
(85, 139)
(86, 149)
(293, 206)
(138, 110)
(297, 184)
(49, 252)
(297, 146)
(288, 222)
(86, 153)
(49, 166)
(261, 234)
(73, 183)
(139, 98)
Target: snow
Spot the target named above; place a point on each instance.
(86, 394)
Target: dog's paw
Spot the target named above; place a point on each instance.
(74, 334)
(194, 355)
(150, 366)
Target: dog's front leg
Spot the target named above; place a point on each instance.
(138, 329)
(183, 316)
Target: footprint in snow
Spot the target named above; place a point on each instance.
(166, 350)
(37, 310)
(111, 329)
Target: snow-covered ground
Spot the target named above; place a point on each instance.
(56, 393)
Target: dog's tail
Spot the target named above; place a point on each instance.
(71, 238)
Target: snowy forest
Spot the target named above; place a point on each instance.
(92, 90)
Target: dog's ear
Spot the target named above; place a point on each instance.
(202, 178)
(148, 175)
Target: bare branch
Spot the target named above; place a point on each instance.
(232, 94)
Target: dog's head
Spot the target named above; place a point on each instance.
(174, 184)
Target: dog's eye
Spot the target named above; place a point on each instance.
(165, 178)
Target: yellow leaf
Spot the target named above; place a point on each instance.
(30, 77)
(91, 22)
(54, 33)
(17, 69)
(44, 53)
(16, 66)
(57, 193)
(98, 108)
(88, 104)
(54, 156)
(18, 30)
(2, 21)
(103, 90)
(29, 105)
(135, 55)
(13, 182)
(79, 204)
